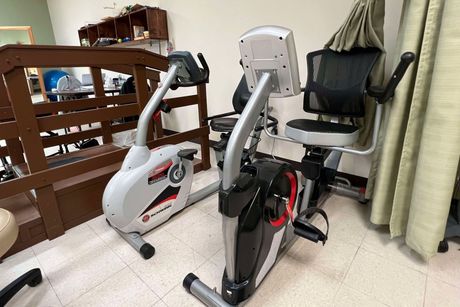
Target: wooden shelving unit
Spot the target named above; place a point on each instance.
(154, 20)
(138, 42)
(123, 27)
(107, 29)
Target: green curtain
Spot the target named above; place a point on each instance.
(364, 28)
(420, 154)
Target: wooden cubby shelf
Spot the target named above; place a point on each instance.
(154, 20)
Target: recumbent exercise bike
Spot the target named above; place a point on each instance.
(258, 201)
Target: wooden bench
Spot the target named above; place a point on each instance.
(79, 197)
(31, 227)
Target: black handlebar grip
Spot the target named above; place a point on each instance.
(166, 108)
(406, 59)
(205, 67)
(203, 79)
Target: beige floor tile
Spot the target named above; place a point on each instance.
(157, 237)
(210, 274)
(121, 289)
(209, 205)
(76, 241)
(160, 303)
(87, 266)
(338, 203)
(40, 295)
(16, 265)
(388, 282)
(70, 279)
(215, 213)
(348, 219)
(333, 259)
(378, 241)
(113, 239)
(204, 236)
(182, 221)
(171, 263)
(446, 266)
(348, 297)
(439, 293)
(291, 283)
(219, 259)
(203, 179)
(178, 296)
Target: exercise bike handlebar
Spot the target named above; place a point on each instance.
(383, 94)
(205, 67)
(204, 75)
(165, 107)
(153, 104)
(242, 130)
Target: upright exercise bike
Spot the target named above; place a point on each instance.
(153, 185)
(258, 201)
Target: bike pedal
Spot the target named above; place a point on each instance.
(308, 231)
(303, 229)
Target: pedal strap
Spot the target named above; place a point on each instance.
(304, 224)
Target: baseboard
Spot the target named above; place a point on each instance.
(355, 180)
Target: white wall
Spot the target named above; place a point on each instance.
(213, 28)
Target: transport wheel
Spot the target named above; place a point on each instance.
(176, 176)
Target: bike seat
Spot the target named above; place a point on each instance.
(225, 124)
(314, 132)
(187, 154)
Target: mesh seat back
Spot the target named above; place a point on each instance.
(241, 96)
(337, 81)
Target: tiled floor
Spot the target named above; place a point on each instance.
(359, 266)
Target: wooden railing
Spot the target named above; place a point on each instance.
(21, 121)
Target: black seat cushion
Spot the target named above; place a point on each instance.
(225, 124)
(321, 127)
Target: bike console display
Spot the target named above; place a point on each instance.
(188, 73)
(271, 50)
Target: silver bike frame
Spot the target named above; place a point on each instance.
(153, 104)
(232, 161)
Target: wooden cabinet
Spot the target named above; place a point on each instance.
(153, 20)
